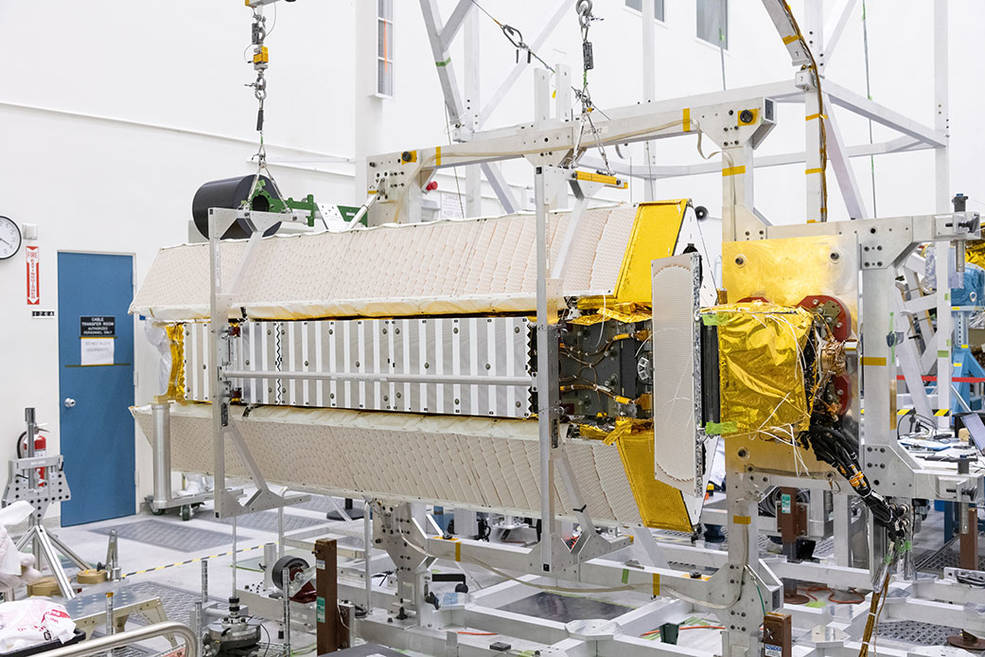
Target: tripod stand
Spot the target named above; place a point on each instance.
(25, 482)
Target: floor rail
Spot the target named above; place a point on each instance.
(102, 644)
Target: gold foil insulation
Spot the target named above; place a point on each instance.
(661, 506)
(974, 253)
(176, 379)
(760, 355)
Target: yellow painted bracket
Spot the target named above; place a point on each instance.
(609, 181)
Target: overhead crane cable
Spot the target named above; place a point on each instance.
(259, 34)
(821, 127)
(458, 187)
(515, 37)
(868, 94)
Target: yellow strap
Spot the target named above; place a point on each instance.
(458, 551)
(656, 584)
(733, 171)
(874, 361)
(787, 40)
(686, 119)
(810, 171)
(437, 156)
(811, 117)
(742, 520)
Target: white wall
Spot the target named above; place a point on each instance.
(113, 113)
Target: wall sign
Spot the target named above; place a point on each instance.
(96, 351)
(33, 284)
(97, 326)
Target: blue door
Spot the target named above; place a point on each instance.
(95, 358)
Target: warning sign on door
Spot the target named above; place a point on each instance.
(97, 326)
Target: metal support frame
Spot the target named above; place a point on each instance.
(915, 135)
(558, 143)
(885, 246)
(221, 302)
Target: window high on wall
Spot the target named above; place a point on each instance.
(658, 7)
(384, 47)
(713, 22)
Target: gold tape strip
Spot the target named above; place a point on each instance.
(874, 361)
(811, 117)
(742, 520)
(437, 155)
(733, 171)
(686, 119)
(810, 171)
(787, 40)
(176, 378)
(656, 584)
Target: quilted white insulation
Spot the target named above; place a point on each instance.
(459, 266)
(459, 462)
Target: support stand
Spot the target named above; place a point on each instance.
(40, 481)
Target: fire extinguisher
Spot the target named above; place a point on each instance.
(40, 449)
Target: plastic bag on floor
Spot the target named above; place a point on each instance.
(16, 567)
(25, 623)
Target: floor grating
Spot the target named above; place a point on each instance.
(172, 535)
(948, 556)
(178, 603)
(564, 608)
(913, 632)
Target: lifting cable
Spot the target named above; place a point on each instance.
(868, 94)
(585, 18)
(260, 60)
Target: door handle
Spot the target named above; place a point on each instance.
(69, 402)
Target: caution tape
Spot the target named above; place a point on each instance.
(938, 412)
(190, 561)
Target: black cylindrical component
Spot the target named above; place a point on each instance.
(711, 402)
(230, 193)
(294, 565)
(960, 202)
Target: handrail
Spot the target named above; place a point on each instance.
(105, 643)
